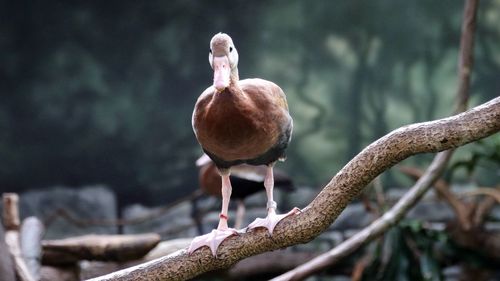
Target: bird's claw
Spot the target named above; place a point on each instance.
(272, 220)
(212, 240)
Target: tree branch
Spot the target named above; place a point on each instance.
(98, 247)
(375, 229)
(466, 57)
(430, 176)
(482, 210)
(434, 136)
(494, 193)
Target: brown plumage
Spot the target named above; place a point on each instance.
(243, 122)
(239, 122)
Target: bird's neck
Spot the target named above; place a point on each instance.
(234, 77)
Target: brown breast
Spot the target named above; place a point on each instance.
(242, 122)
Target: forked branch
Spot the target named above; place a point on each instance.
(434, 136)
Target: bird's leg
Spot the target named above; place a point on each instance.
(215, 238)
(226, 195)
(240, 214)
(269, 185)
(272, 218)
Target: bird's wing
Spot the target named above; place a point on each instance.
(272, 89)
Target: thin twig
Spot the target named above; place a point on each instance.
(482, 210)
(494, 193)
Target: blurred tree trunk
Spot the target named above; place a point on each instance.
(355, 103)
(98, 247)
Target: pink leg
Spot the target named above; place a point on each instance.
(215, 238)
(272, 218)
(226, 196)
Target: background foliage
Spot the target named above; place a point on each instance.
(102, 91)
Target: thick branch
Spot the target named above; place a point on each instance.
(465, 64)
(435, 136)
(375, 229)
(430, 176)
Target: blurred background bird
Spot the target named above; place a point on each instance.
(247, 180)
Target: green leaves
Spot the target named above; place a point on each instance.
(407, 252)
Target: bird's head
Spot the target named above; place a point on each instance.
(223, 59)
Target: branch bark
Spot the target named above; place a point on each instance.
(375, 229)
(434, 136)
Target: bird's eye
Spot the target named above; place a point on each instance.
(210, 51)
(230, 49)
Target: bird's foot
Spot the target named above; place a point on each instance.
(212, 240)
(272, 220)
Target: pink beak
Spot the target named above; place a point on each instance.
(222, 71)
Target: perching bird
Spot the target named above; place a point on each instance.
(246, 179)
(239, 122)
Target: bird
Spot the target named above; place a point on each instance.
(240, 122)
(246, 179)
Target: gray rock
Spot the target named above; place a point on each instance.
(92, 203)
(432, 211)
(302, 196)
(353, 217)
(173, 223)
